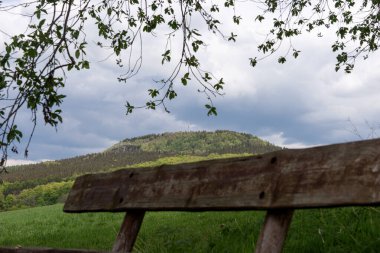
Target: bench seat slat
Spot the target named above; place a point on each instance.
(335, 175)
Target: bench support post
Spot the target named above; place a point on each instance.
(128, 232)
(274, 230)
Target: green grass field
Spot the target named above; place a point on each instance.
(334, 230)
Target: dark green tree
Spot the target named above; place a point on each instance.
(34, 64)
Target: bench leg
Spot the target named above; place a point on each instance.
(274, 230)
(128, 232)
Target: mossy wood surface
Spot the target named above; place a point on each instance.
(335, 175)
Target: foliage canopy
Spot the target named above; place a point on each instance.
(34, 64)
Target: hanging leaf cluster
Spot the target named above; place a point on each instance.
(34, 64)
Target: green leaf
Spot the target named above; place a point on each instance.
(259, 18)
(214, 8)
(195, 44)
(253, 62)
(75, 34)
(151, 105)
(229, 3)
(85, 65)
(211, 110)
(8, 49)
(38, 13)
(14, 134)
(153, 93)
(206, 77)
(166, 57)
(173, 24)
(129, 107)
(192, 61)
(219, 86)
(236, 19)
(172, 94)
(282, 60)
(295, 53)
(232, 37)
(42, 22)
(32, 53)
(185, 78)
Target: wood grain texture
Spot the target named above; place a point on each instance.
(273, 234)
(128, 232)
(44, 250)
(335, 175)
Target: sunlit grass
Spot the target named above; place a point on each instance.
(326, 230)
(179, 159)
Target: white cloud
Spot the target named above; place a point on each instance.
(280, 140)
(12, 162)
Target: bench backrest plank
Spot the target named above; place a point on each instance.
(335, 175)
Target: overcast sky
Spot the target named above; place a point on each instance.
(299, 104)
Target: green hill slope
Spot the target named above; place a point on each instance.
(143, 149)
(48, 183)
(195, 143)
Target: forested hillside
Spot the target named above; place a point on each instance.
(48, 182)
(196, 143)
(142, 149)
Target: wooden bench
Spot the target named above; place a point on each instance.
(279, 182)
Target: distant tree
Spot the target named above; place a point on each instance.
(34, 64)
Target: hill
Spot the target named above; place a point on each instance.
(142, 149)
(195, 143)
(49, 182)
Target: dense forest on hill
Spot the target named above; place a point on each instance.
(142, 149)
(48, 182)
(197, 143)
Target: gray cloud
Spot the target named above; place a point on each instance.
(301, 103)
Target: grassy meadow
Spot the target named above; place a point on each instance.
(325, 230)
(31, 217)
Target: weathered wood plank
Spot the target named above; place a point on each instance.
(128, 232)
(334, 175)
(44, 250)
(273, 234)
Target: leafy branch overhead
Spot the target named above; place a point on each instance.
(34, 64)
